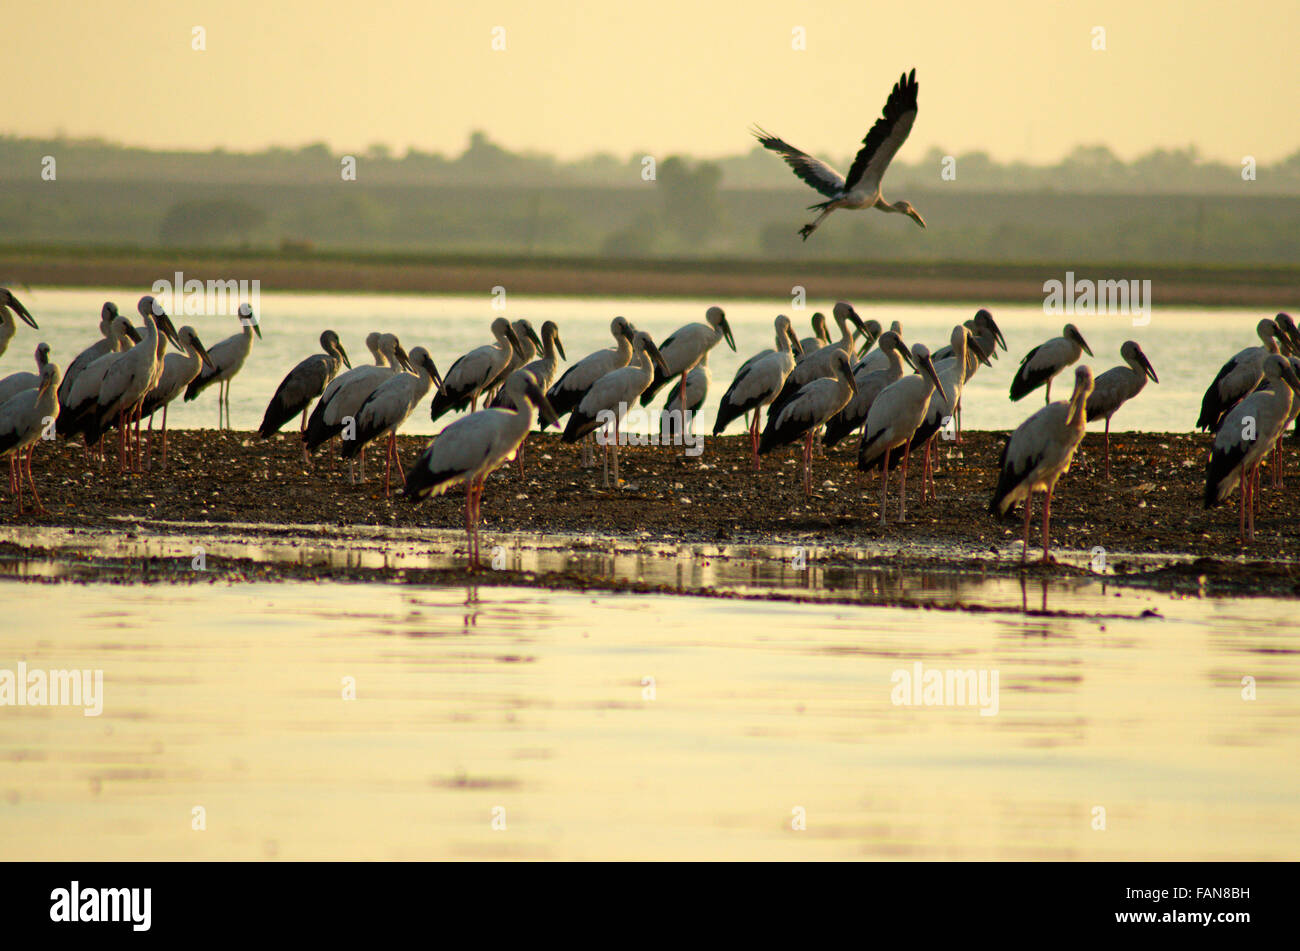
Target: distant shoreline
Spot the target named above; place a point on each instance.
(1268, 288)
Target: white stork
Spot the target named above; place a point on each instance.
(684, 348)
(129, 379)
(1117, 386)
(892, 421)
(303, 384)
(1046, 360)
(758, 381)
(472, 447)
(388, 407)
(338, 405)
(1038, 453)
(870, 384)
(1238, 377)
(610, 397)
(228, 358)
(15, 383)
(542, 370)
(23, 419)
(861, 187)
(83, 394)
(178, 371)
(569, 390)
(1244, 438)
(110, 342)
(473, 373)
(810, 407)
(9, 306)
(822, 363)
(953, 373)
(529, 346)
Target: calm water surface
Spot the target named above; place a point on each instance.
(1186, 346)
(639, 726)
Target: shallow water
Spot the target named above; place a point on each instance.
(1186, 346)
(642, 726)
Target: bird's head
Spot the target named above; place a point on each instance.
(420, 359)
(7, 300)
(1082, 383)
(984, 320)
(330, 343)
(49, 378)
(1289, 330)
(785, 330)
(844, 315)
(524, 386)
(925, 366)
(843, 368)
(643, 343)
(1071, 332)
(42, 353)
(622, 327)
(106, 315)
(892, 341)
(1134, 357)
(248, 319)
(524, 330)
(551, 332)
(190, 338)
(905, 207)
(718, 321)
(151, 308)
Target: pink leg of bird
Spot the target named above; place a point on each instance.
(753, 441)
(807, 464)
(1024, 548)
(40, 509)
(902, 489)
(1047, 520)
(884, 488)
(1243, 490)
(1107, 448)
(164, 438)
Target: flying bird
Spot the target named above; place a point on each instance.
(861, 187)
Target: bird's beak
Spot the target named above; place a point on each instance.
(928, 369)
(22, 312)
(726, 334)
(656, 356)
(1150, 370)
(559, 346)
(997, 335)
(853, 383)
(1288, 374)
(433, 372)
(543, 404)
(795, 345)
(979, 351)
(202, 351)
(168, 328)
(1083, 343)
(532, 335)
(403, 359)
(514, 340)
(916, 216)
(133, 333)
(856, 321)
(629, 332)
(907, 357)
(343, 354)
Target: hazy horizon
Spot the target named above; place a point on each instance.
(675, 79)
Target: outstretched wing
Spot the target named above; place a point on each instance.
(813, 171)
(886, 136)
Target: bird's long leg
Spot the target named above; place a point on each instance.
(808, 229)
(302, 427)
(884, 487)
(902, 489)
(616, 482)
(469, 531)
(388, 466)
(19, 457)
(363, 464)
(606, 483)
(519, 458)
(925, 471)
(957, 421)
(753, 439)
(1241, 512)
(807, 464)
(164, 437)
(1049, 390)
(1029, 500)
(31, 480)
(13, 473)
(1047, 519)
(1107, 448)
(1250, 504)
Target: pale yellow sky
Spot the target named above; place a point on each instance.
(1017, 79)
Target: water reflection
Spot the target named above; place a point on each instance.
(774, 570)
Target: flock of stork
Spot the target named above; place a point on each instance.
(865, 381)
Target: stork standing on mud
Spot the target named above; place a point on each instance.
(1117, 386)
(1039, 453)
